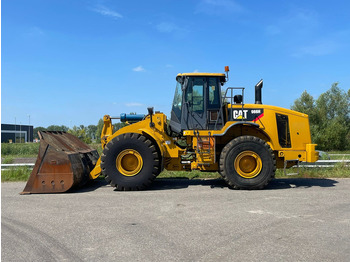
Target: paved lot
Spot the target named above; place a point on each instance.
(180, 220)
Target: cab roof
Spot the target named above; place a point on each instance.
(201, 74)
(222, 76)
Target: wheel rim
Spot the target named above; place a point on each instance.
(129, 162)
(248, 164)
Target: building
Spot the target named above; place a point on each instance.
(16, 133)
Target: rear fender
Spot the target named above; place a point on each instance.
(244, 128)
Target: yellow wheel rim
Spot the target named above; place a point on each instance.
(129, 162)
(248, 164)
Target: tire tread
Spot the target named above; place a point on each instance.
(234, 142)
(110, 178)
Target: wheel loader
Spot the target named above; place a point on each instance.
(209, 130)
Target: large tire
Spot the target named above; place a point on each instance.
(130, 162)
(247, 162)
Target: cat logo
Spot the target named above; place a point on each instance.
(248, 114)
(240, 114)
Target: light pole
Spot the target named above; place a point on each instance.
(20, 132)
(15, 130)
(28, 140)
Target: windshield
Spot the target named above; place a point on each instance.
(177, 103)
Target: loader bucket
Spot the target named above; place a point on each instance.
(63, 162)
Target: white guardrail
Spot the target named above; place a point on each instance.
(324, 163)
(319, 164)
(8, 166)
(17, 165)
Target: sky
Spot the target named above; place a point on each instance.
(69, 62)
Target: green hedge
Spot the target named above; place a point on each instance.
(19, 149)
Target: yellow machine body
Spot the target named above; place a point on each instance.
(265, 127)
(207, 131)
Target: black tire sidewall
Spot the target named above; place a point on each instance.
(137, 143)
(248, 144)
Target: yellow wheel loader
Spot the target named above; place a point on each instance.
(209, 130)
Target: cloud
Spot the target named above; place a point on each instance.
(217, 7)
(196, 71)
(297, 22)
(105, 11)
(166, 27)
(302, 33)
(319, 48)
(171, 28)
(34, 31)
(133, 104)
(139, 69)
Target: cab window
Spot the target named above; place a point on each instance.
(283, 131)
(213, 93)
(177, 103)
(195, 95)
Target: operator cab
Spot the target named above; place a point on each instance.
(197, 102)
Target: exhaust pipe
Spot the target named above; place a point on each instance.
(258, 87)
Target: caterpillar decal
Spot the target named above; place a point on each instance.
(247, 114)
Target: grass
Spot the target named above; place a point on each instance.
(19, 150)
(339, 157)
(339, 152)
(190, 175)
(11, 151)
(345, 155)
(15, 174)
(7, 160)
(339, 171)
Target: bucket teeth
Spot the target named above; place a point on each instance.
(63, 162)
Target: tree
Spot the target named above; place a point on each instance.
(100, 124)
(57, 128)
(118, 126)
(80, 133)
(329, 117)
(35, 131)
(305, 104)
(91, 131)
(99, 129)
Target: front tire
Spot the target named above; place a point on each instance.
(130, 162)
(247, 162)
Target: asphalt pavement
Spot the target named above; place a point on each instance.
(179, 220)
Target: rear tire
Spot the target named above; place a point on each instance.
(247, 162)
(130, 162)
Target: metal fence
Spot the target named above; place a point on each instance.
(325, 163)
(318, 164)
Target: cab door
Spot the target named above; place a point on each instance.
(194, 113)
(214, 113)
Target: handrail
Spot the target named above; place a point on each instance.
(231, 97)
